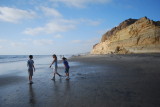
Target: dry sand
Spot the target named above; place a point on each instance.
(96, 81)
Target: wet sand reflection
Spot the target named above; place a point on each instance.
(32, 100)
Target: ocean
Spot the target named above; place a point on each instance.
(16, 58)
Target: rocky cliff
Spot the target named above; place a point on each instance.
(131, 36)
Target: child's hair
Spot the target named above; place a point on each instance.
(31, 56)
(64, 58)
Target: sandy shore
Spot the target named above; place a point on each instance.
(96, 81)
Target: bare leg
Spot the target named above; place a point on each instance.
(31, 78)
(68, 74)
(54, 75)
(58, 74)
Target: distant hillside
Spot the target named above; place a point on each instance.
(131, 36)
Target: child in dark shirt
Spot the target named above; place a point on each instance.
(31, 68)
(66, 65)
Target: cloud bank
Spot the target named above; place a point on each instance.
(14, 15)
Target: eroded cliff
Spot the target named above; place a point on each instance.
(131, 36)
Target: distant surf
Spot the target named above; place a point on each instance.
(16, 58)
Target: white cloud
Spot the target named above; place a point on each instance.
(58, 36)
(43, 42)
(18, 44)
(51, 12)
(57, 25)
(34, 31)
(1, 47)
(3, 40)
(14, 15)
(80, 3)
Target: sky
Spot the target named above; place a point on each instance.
(46, 27)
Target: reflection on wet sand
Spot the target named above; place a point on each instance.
(62, 86)
(67, 85)
(57, 84)
(32, 100)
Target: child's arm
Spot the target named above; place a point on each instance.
(52, 63)
(34, 68)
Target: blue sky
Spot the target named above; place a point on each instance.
(64, 26)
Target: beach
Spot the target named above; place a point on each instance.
(95, 81)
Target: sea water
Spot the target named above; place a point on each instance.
(16, 58)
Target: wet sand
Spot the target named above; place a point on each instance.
(96, 81)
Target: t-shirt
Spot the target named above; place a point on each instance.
(66, 64)
(30, 64)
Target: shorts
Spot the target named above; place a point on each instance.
(55, 70)
(66, 70)
(30, 72)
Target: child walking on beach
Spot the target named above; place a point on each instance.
(55, 67)
(66, 65)
(31, 68)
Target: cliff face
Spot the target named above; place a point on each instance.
(131, 36)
